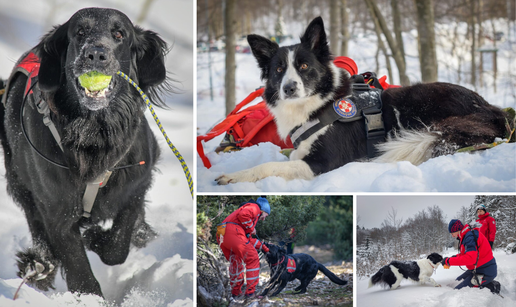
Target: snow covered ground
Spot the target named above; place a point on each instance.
(493, 170)
(413, 294)
(162, 273)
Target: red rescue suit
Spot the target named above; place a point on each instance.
(239, 249)
(468, 250)
(488, 228)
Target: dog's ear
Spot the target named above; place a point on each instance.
(315, 39)
(263, 50)
(52, 53)
(150, 57)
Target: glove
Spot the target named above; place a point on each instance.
(491, 243)
(445, 265)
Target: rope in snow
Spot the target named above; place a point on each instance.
(158, 122)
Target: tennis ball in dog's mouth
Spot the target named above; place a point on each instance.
(94, 81)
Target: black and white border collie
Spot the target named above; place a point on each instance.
(392, 274)
(422, 121)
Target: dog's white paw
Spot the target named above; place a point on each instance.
(223, 180)
(241, 176)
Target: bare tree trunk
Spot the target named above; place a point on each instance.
(334, 26)
(230, 29)
(344, 24)
(396, 18)
(472, 30)
(377, 14)
(426, 40)
(381, 46)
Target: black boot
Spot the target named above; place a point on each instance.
(494, 286)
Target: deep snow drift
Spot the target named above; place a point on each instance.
(162, 273)
(414, 294)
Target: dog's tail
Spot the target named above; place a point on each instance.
(331, 276)
(376, 278)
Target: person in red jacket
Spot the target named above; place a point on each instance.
(234, 236)
(475, 254)
(488, 228)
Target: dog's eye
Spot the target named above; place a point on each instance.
(279, 69)
(304, 66)
(80, 32)
(118, 35)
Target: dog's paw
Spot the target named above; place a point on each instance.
(36, 268)
(143, 234)
(223, 180)
(242, 176)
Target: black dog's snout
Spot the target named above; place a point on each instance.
(290, 88)
(96, 56)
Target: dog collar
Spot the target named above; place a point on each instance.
(279, 262)
(364, 102)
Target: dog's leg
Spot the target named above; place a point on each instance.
(38, 260)
(430, 279)
(65, 240)
(281, 286)
(288, 170)
(113, 245)
(399, 277)
(302, 288)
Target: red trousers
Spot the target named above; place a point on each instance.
(240, 252)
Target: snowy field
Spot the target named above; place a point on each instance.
(414, 294)
(493, 170)
(162, 273)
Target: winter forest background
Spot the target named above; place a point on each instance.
(427, 232)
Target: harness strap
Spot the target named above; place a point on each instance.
(365, 102)
(92, 189)
(279, 262)
(43, 109)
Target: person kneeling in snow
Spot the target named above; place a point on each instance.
(234, 236)
(475, 254)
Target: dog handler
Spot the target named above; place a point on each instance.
(234, 236)
(488, 228)
(475, 254)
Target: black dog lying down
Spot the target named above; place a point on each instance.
(285, 268)
(102, 129)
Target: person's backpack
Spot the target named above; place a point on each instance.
(252, 125)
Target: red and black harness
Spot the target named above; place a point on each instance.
(291, 264)
(29, 66)
(365, 102)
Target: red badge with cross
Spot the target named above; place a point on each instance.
(345, 108)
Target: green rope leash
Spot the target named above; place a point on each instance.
(156, 119)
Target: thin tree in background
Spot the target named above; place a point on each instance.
(471, 31)
(377, 14)
(344, 24)
(230, 24)
(334, 26)
(396, 20)
(381, 47)
(426, 40)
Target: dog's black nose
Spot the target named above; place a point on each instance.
(96, 55)
(290, 88)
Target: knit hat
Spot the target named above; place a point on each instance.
(264, 204)
(455, 225)
(481, 207)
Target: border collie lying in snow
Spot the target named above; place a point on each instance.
(303, 84)
(392, 274)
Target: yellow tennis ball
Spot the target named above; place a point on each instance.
(94, 81)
